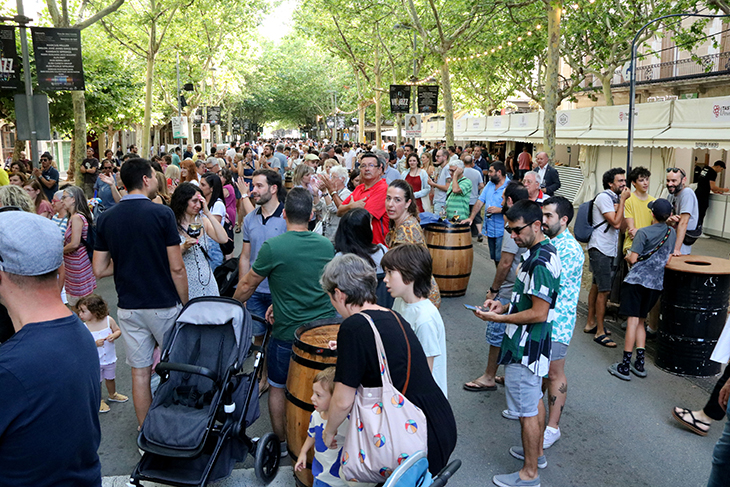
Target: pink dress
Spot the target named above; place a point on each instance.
(80, 280)
(230, 203)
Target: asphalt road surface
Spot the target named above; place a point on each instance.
(614, 433)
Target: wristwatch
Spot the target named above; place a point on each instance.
(494, 291)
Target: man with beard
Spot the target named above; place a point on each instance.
(441, 185)
(268, 160)
(501, 290)
(525, 350)
(557, 213)
(266, 221)
(685, 214)
(491, 197)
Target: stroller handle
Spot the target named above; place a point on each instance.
(444, 475)
(163, 367)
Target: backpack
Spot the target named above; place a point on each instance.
(583, 228)
(90, 241)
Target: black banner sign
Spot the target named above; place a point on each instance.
(9, 62)
(198, 116)
(214, 115)
(400, 98)
(58, 61)
(428, 97)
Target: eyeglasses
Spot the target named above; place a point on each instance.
(66, 196)
(517, 230)
(676, 169)
(370, 166)
(44, 160)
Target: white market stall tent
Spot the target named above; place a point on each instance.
(494, 128)
(701, 123)
(522, 125)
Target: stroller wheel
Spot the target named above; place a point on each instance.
(268, 454)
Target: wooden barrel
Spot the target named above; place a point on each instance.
(453, 255)
(310, 355)
(287, 182)
(693, 313)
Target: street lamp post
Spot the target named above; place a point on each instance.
(632, 83)
(22, 20)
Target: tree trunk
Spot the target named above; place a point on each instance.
(17, 149)
(109, 138)
(448, 103)
(145, 142)
(79, 137)
(361, 122)
(606, 87)
(398, 130)
(378, 107)
(70, 171)
(554, 9)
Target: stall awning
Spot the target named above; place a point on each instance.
(610, 124)
(475, 126)
(569, 125)
(702, 123)
(433, 130)
(460, 126)
(522, 126)
(495, 127)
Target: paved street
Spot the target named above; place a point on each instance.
(614, 433)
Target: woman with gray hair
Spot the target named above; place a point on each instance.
(350, 283)
(336, 185)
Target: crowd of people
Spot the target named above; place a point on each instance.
(352, 214)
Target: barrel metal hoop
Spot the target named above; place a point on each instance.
(436, 229)
(298, 402)
(453, 276)
(321, 351)
(450, 247)
(311, 364)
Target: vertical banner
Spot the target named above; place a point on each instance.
(400, 98)
(58, 62)
(214, 115)
(179, 127)
(428, 97)
(205, 131)
(413, 125)
(9, 62)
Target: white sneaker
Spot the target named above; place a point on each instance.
(551, 436)
(509, 414)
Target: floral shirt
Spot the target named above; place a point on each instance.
(538, 276)
(571, 263)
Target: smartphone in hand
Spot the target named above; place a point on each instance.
(473, 308)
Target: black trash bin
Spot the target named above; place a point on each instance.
(693, 313)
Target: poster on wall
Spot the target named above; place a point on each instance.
(57, 52)
(400, 98)
(428, 97)
(179, 127)
(205, 131)
(9, 62)
(214, 115)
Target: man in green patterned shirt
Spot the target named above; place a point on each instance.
(457, 197)
(525, 348)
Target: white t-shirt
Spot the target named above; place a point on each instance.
(439, 196)
(328, 470)
(348, 159)
(426, 322)
(219, 209)
(604, 241)
(231, 153)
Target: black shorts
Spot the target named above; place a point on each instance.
(637, 301)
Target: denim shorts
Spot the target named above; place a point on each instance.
(257, 305)
(495, 331)
(523, 390)
(277, 359)
(558, 351)
(602, 268)
(495, 248)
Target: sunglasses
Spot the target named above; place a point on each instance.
(676, 169)
(517, 230)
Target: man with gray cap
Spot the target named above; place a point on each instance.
(49, 370)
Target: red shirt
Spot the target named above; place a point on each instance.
(375, 204)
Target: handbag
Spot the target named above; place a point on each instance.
(385, 427)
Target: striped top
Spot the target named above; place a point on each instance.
(80, 280)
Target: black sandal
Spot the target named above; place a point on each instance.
(605, 340)
(690, 426)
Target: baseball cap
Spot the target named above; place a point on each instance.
(30, 245)
(661, 208)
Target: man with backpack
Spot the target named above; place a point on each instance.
(608, 215)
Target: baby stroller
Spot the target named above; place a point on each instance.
(413, 472)
(195, 430)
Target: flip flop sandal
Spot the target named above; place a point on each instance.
(499, 379)
(690, 426)
(605, 341)
(593, 330)
(467, 387)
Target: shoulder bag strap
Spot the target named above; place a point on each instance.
(382, 359)
(408, 347)
(655, 249)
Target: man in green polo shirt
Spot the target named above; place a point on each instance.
(457, 197)
(293, 263)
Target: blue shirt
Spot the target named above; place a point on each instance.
(571, 272)
(283, 161)
(257, 230)
(49, 406)
(492, 196)
(52, 175)
(104, 192)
